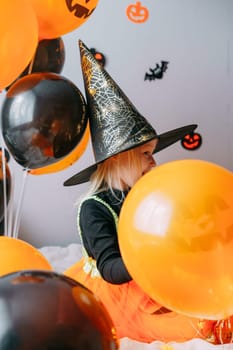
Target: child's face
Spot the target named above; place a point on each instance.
(135, 163)
(146, 156)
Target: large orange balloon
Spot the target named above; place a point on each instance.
(68, 160)
(17, 255)
(58, 17)
(176, 237)
(19, 38)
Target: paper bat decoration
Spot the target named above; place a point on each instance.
(157, 72)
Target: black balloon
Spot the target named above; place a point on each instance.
(43, 118)
(49, 57)
(49, 311)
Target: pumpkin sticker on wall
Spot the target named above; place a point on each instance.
(99, 56)
(192, 141)
(137, 13)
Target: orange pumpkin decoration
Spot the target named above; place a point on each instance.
(192, 141)
(137, 13)
(99, 56)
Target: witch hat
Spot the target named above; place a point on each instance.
(115, 124)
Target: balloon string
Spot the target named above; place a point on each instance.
(19, 208)
(4, 186)
(4, 191)
(11, 208)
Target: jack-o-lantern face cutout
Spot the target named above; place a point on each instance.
(56, 18)
(81, 9)
(191, 141)
(137, 13)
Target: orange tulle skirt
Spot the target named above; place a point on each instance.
(135, 315)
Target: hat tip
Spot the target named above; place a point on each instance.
(82, 45)
(80, 42)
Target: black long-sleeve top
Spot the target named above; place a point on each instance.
(99, 235)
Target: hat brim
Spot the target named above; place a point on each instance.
(165, 140)
(168, 138)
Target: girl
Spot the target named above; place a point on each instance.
(124, 144)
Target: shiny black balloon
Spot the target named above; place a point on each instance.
(43, 119)
(49, 57)
(43, 310)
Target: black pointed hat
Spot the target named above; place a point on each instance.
(115, 123)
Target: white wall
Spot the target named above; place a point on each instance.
(195, 36)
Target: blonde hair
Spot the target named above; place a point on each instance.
(117, 172)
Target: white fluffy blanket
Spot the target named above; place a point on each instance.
(63, 257)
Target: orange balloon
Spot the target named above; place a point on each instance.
(19, 38)
(176, 237)
(68, 160)
(17, 255)
(58, 17)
